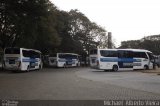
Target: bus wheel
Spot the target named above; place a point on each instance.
(115, 68)
(27, 69)
(145, 67)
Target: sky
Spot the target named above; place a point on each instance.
(126, 19)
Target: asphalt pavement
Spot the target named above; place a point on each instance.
(70, 84)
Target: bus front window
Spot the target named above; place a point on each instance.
(151, 57)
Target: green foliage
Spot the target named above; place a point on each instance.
(28, 23)
(38, 24)
(151, 43)
(85, 32)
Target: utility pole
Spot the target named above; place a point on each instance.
(109, 40)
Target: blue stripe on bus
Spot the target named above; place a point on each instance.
(29, 60)
(138, 60)
(109, 59)
(119, 60)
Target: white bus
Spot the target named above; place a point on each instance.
(22, 59)
(64, 60)
(121, 59)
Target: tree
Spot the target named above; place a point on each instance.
(149, 43)
(135, 44)
(7, 24)
(28, 23)
(38, 24)
(89, 34)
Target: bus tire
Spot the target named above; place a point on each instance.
(27, 69)
(115, 68)
(145, 67)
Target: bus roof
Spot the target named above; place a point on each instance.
(68, 53)
(140, 50)
(134, 50)
(106, 49)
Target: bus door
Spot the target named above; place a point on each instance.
(93, 58)
(125, 59)
(140, 60)
(151, 61)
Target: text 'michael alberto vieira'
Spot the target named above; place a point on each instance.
(132, 102)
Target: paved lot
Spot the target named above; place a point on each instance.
(149, 82)
(75, 84)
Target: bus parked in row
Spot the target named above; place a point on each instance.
(64, 60)
(121, 59)
(22, 59)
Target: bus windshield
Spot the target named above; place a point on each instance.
(31, 54)
(12, 51)
(107, 53)
(151, 57)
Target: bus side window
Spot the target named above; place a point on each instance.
(125, 54)
(140, 55)
(108, 53)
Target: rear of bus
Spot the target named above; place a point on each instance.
(93, 57)
(12, 59)
(104, 59)
(67, 60)
(52, 60)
